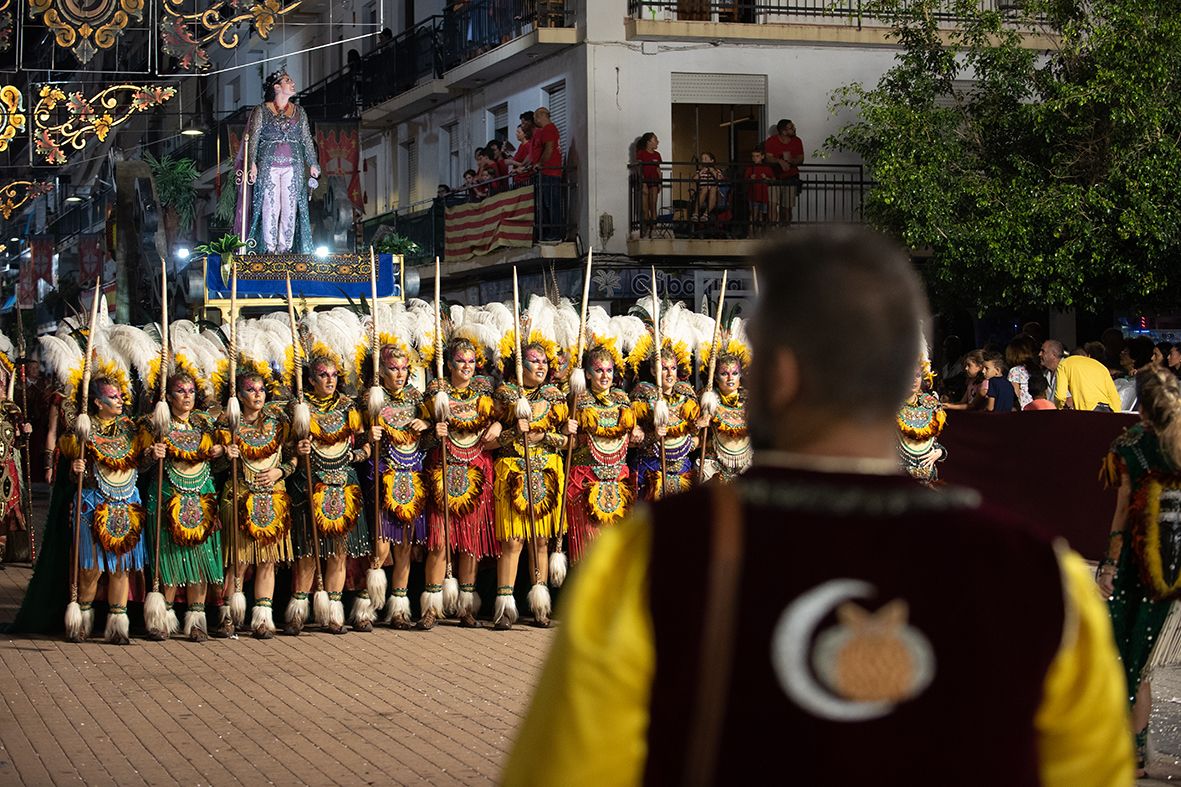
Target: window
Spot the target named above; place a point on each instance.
(454, 168)
(498, 123)
(412, 169)
(555, 101)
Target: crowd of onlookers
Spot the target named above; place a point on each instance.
(766, 186)
(1032, 372)
(500, 165)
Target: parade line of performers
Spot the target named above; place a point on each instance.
(482, 462)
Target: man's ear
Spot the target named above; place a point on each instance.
(784, 386)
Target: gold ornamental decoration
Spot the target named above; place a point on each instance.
(12, 114)
(63, 121)
(6, 25)
(18, 192)
(86, 26)
(186, 35)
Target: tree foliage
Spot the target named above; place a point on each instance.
(1032, 177)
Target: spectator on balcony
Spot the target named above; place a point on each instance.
(520, 163)
(706, 181)
(495, 149)
(546, 154)
(486, 172)
(472, 186)
(650, 180)
(758, 177)
(785, 153)
(386, 36)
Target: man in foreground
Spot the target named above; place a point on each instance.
(824, 618)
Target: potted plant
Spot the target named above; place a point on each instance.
(398, 245)
(175, 191)
(225, 247)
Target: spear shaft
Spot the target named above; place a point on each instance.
(525, 432)
(26, 469)
(715, 349)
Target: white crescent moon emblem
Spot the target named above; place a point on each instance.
(791, 644)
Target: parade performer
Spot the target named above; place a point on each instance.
(726, 452)
(528, 486)
(264, 506)
(102, 462)
(1139, 574)
(14, 432)
(328, 494)
(920, 421)
(467, 431)
(665, 457)
(396, 427)
(183, 495)
(280, 151)
(599, 489)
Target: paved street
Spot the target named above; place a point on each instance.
(435, 707)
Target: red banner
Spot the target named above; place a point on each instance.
(339, 150)
(480, 228)
(90, 258)
(42, 259)
(26, 287)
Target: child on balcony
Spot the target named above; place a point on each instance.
(758, 176)
(706, 178)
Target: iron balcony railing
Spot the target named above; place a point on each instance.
(465, 30)
(781, 11)
(736, 201)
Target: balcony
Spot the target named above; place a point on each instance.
(785, 21)
(693, 216)
(465, 47)
(483, 207)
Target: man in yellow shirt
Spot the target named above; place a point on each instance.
(1084, 383)
(824, 620)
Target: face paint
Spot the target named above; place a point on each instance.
(668, 372)
(536, 366)
(729, 376)
(324, 379)
(602, 373)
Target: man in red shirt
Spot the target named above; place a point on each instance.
(784, 153)
(546, 152)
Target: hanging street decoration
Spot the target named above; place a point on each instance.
(85, 26)
(186, 36)
(61, 121)
(6, 25)
(12, 114)
(15, 194)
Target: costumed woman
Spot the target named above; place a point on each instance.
(398, 430)
(920, 421)
(190, 544)
(334, 509)
(282, 152)
(525, 514)
(599, 489)
(468, 434)
(1140, 575)
(728, 450)
(264, 506)
(677, 438)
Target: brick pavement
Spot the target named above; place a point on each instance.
(436, 707)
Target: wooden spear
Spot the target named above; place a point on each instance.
(74, 625)
(660, 408)
(525, 413)
(577, 388)
(234, 416)
(155, 609)
(709, 399)
(26, 468)
(442, 407)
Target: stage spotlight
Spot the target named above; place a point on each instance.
(322, 252)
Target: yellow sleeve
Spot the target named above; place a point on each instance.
(588, 721)
(1061, 386)
(1113, 395)
(1084, 737)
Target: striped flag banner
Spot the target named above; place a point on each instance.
(480, 228)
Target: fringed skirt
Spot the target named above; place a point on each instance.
(469, 497)
(679, 461)
(404, 495)
(264, 525)
(512, 499)
(593, 504)
(341, 508)
(116, 541)
(190, 537)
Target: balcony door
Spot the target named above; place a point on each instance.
(722, 114)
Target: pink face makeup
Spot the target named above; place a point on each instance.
(253, 387)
